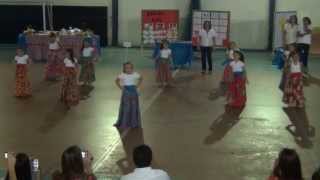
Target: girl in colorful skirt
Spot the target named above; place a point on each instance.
(237, 88)
(227, 72)
(88, 58)
(129, 112)
(293, 94)
(164, 76)
(54, 67)
(23, 87)
(70, 95)
(285, 69)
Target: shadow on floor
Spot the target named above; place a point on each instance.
(85, 91)
(313, 80)
(300, 128)
(223, 124)
(132, 139)
(54, 117)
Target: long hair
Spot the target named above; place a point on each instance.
(70, 52)
(163, 42)
(289, 165)
(72, 163)
(295, 18)
(22, 167)
(241, 55)
(308, 20)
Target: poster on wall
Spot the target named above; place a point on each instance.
(158, 25)
(280, 19)
(220, 21)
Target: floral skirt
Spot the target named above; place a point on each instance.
(237, 91)
(293, 91)
(23, 86)
(87, 73)
(129, 111)
(70, 94)
(54, 66)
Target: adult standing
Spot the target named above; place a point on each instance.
(207, 42)
(304, 41)
(290, 31)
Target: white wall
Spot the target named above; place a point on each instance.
(130, 16)
(249, 20)
(303, 7)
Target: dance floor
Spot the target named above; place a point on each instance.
(192, 134)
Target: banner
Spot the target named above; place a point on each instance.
(158, 25)
(220, 21)
(280, 19)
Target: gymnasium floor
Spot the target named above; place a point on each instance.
(192, 135)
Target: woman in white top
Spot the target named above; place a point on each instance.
(129, 112)
(290, 31)
(87, 61)
(23, 86)
(207, 42)
(163, 74)
(70, 94)
(293, 94)
(54, 66)
(304, 41)
(236, 95)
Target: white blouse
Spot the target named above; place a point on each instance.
(165, 53)
(69, 63)
(295, 68)
(21, 59)
(129, 79)
(237, 66)
(54, 45)
(87, 52)
(291, 33)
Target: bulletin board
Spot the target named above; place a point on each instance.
(220, 21)
(157, 25)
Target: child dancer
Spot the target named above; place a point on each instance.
(88, 58)
(54, 67)
(285, 69)
(293, 90)
(227, 72)
(70, 95)
(129, 113)
(237, 87)
(164, 76)
(23, 87)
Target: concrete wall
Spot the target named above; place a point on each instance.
(249, 20)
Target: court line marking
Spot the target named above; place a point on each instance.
(111, 148)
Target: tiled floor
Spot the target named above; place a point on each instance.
(193, 136)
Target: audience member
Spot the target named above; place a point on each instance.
(75, 165)
(142, 157)
(287, 166)
(19, 167)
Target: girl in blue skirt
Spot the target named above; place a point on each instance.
(129, 113)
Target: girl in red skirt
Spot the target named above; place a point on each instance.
(164, 76)
(23, 87)
(70, 94)
(54, 67)
(237, 88)
(293, 94)
(227, 72)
